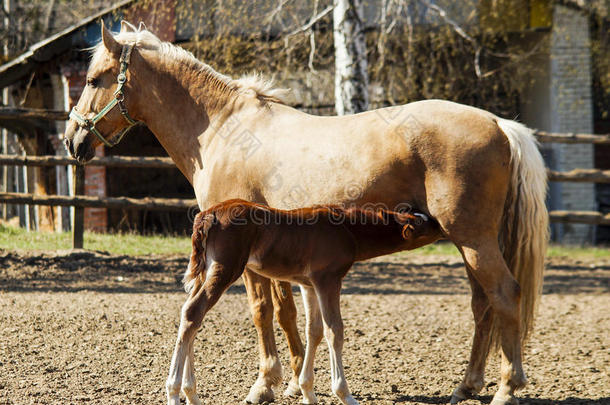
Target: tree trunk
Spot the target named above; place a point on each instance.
(351, 77)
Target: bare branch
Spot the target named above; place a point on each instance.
(461, 32)
(312, 51)
(272, 15)
(311, 22)
(312, 41)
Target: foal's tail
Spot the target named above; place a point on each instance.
(525, 224)
(195, 272)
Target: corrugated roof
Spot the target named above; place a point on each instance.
(47, 49)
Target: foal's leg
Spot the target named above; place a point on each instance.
(314, 331)
(475, 373)
(196, 306)
(189, 384)
(261, 307)
(286, 315)
(328, 292)
(503, 292)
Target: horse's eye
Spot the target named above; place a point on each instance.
(92, 81)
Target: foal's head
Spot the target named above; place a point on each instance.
(107, 106)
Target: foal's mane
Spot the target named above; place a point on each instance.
(255, 84)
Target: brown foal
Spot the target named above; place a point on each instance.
(314, 247)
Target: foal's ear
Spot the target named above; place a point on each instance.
(109, 42)
(142, 26)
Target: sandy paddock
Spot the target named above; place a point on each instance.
(95, 328)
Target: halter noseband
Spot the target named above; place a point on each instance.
(119, 96)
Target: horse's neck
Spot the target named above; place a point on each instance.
(181, 110)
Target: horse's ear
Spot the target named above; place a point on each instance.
(142, 26)
(109, 42)
(127, 26)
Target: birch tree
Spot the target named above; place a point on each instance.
(351, 76)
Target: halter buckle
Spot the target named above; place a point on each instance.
(122, 78)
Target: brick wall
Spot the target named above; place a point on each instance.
(572, 111)
(96, 219)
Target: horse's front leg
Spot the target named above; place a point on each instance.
(199, 302)
(286, 315)
(261, 307)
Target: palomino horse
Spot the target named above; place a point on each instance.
(314, 247)
(480, 176)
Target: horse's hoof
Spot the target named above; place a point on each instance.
(460, 394)
(293, 389)
(260, 394)
(505, 401)
(309, 399)
(455, 399)
(350, 401)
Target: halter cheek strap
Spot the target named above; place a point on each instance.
(119, 96)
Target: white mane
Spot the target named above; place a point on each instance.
(254, 83)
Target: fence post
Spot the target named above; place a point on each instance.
(78, 227)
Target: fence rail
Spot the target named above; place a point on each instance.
(555, 137)
(108, 161)
(580, 176)
(149, 203)
(580, 217)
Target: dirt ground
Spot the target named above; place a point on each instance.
(94, 328)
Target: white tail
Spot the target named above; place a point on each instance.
(525, 225)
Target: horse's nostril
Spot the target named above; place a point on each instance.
(69, 146)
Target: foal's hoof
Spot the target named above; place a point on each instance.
(260, 394)
(293, 389)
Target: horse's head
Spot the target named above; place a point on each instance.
(106, 108)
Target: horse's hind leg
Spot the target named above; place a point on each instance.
(314, 331)
(286, 315)
(475, 373)
(328, 292)
(199, 302)
(503, 292)
(261, 308)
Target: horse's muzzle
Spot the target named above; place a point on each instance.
(80, 146)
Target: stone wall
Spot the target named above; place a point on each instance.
(572, 111)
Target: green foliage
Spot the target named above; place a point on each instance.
(119, 243)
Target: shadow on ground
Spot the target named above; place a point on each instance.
(423, 399)
(397, 274)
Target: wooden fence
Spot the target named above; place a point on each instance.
(80, 201)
